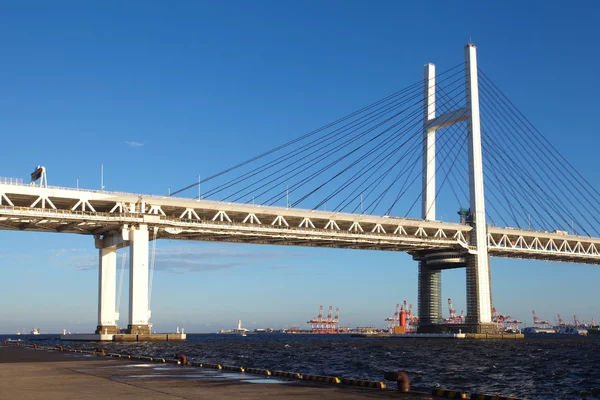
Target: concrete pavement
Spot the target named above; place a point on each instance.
(26, 374)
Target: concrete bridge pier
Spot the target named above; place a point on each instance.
(431, 265)
(139, 313)
(479, 297)
(430, 299)
(107, 282)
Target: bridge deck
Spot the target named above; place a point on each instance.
(52, 209)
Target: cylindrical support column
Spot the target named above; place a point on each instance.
(139, 314)
(479, 306)
(107, 282)
(430, 299)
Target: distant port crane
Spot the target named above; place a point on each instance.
(403, 317)
(454, 319)
(330, 324)
(540, 324)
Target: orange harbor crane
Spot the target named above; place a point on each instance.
(505, 321)
(540, 324)
(325, 325)
(336, 320)
(316, 324)
(402, 317)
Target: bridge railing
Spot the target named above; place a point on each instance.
(19, 182)
(11, 181)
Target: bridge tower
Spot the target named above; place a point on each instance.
(476, 259)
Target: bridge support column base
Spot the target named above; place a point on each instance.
(431, 328)
(430, 295)
(487, 328)
(139, 329)
(106, 330)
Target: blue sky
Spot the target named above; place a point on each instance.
(162, 92)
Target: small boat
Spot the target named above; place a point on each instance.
(35, 331)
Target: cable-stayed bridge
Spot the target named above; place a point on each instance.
(450, 142)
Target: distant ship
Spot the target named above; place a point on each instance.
(35, 331)
(594, 329)
(571, 330)
(534, 330)
(237, 331)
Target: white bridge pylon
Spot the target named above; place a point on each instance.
(479, 306)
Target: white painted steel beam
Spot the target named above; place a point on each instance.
(6, 199)
(448, 119)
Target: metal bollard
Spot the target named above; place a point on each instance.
(401, 378)
(182, 358)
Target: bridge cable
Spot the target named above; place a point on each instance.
(542, 139)
(552, 178)
(553, 200)
(443, 109)
(414, 146)
(527, 158)
(308, 164)
(309, 146)
(352, 179)
(307, 179)
(463, 142)
(421, 157)
(504, 181)
(463, 164)
(414, 114)
(307, 135)
(421, 193)
(557, 167)
(376, 182)
(379, 161)
(354, 195)
(503, 149)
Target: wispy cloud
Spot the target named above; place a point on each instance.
(134, 144)
(280, 266)
(180, 259)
